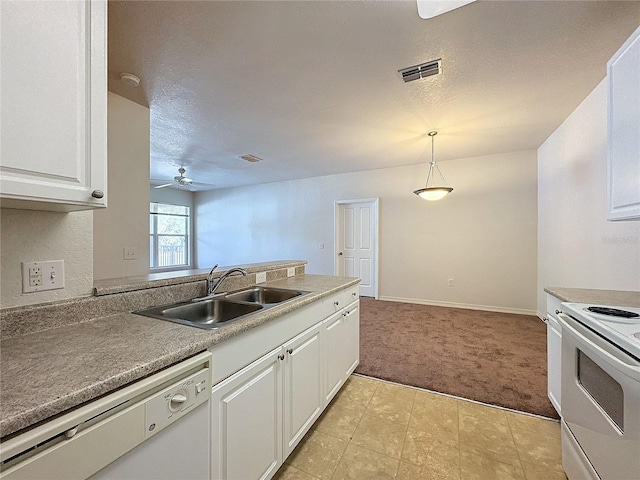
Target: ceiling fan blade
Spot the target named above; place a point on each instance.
(432, 8)
(162, 186)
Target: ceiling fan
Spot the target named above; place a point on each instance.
(433, 8)
(181, 181)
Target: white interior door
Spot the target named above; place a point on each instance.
(356, 243)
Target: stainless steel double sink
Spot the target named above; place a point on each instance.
(218, 310)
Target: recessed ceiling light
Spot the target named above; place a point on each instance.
(250, 158)
(130, 79)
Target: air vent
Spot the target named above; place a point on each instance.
(250, 158)
(423, 70)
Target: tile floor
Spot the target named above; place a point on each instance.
(379, 430)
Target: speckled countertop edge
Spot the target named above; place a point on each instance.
(161, 279)
(46, 373)
(618, 298)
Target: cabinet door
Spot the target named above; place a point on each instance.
(554, 355)
(303, 397)
(246, 421)
(623, 72)
(53, 109)
(334, 343)
(351, 346)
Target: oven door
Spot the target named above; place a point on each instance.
(601, 400)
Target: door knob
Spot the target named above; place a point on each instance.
(97, 194)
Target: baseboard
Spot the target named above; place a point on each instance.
(467, 306)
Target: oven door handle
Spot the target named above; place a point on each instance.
(631, 370)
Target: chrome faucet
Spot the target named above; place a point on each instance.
(210, 280)
(211, 287)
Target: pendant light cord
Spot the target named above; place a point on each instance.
(433, 163)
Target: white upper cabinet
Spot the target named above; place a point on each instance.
(53, 103)
(623, 72)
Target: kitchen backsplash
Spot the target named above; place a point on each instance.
(126, 296)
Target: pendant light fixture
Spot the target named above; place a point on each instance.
(432, 193)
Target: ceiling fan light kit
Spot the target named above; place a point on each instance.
(432, 193)
(180, 180)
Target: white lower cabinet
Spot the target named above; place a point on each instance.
(303, 399)
(554, 352)
(262, 411)
(246, 421)
(342, 348)
(351, 346)
(277, 397)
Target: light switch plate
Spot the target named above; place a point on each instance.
(261, 277)
(291, 271)
(40, 276)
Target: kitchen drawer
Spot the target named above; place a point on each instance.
(554, 305)
(343, 298)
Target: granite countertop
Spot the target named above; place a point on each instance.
(597, 297)
(45, 373)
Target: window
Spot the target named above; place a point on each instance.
(169, 234)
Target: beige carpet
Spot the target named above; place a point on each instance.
(495, 358)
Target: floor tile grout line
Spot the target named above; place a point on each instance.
(510, 417)
(354, 431)
(500, 407)
(406, 432)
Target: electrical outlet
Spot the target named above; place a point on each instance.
(451, 282)
(261, 277)
(35, 276)
(291, 271)
(40, 276)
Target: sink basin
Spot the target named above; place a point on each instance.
(264, 295)
(216, 311)
(208, 314)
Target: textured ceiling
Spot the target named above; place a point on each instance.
(312, 87)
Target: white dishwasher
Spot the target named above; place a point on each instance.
(156, 428)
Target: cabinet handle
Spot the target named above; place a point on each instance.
(281, 357)
(290, 351)
(545, 320)
(97, 194)
(344, 314)
(353, 294)
(558, 312)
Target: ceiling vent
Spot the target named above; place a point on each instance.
(250, 158)
(423, 70)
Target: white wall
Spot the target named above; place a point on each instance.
(481, 236)
(577, 246)
(125, 222)
(172, 196)
(27, 236)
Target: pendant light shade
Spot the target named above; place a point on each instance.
(433, 192)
